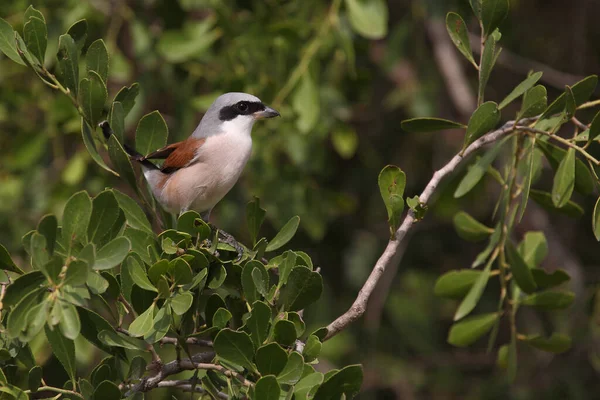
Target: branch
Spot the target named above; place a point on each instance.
(191, 340)
(187, 386)
(391, 253)
(170, 368)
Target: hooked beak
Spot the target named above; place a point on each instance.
(268, 112)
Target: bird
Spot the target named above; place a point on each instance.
(200, 170)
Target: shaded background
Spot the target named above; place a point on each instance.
(340, 125)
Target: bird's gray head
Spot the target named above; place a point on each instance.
(233, 112)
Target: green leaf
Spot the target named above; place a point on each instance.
(306, 103)
(77, 273)
(306, 384)
(48, 227)
(111, 338)
(68, 63)
(584, 182)
(488, 59)
(478, 170)
(106, 390)
(312, 349)
(304, 287)
(21, 287)
(235, 347)
(39, 254)
(76, 217)
(116, 119)
(126, 97)
(483, 120)
(595, 221)
(521, 89)
(594, 128)
(520, 270)
(96, 282)
(421, 125)
(557, 343)
(96, 60)
(6, 262)
(90, 145)
(534, 103)
(92, 324)
(368, 18)
(570, 105)
(285, 267)
(292, 372)
(346, 381)
(34, 378)
(284, 332)
(564, 180)
(470, 329)
(143, 323)
(181, 302)
(189, 43)
(78, 31)
(113, 253)
(138, 275)
(469, 228)
(17, 319)
(544, 199)
(267, 388)
(221, 318)
(121, 162)
(63, 349)
(345, 142)
(8, 44)
(160, 325)
(35, 320)
(270, 359)
(456, 284)
(392, 181)
(216, 276)
(35, 35)
(546, 280)
(533, 248)
(582, 91)
(549, 300)
(474, 295)
(284, 235)
(69, 325)
(105, 212)
(255, 215)
(92, 96)
(258, 323)
(151, 133)
(493, 13)
(133, 213)
(457, 29)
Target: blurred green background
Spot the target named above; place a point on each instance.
(342, 95)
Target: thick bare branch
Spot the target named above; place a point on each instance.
(391, 253)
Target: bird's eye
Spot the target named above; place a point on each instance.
(242, 106)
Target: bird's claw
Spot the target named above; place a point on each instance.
(230, 240)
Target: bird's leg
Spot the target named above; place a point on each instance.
(224, 236)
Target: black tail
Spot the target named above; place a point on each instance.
(133, 154)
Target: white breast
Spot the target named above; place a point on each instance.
(201, 186)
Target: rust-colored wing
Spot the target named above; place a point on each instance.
(178, 155)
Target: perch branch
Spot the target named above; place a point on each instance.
(391, 252)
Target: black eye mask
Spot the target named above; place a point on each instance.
(240, 108)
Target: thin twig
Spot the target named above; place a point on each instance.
(191, 340)
(390, 254)
(561, 140)
(170, 368)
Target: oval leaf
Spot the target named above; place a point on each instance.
(151, 133)
(470, 329)
(520, 269)
(235, 347)
(469, 228)
(420, 125)
(392, 181)
(460, 36)
(564, 180)
(284, 235)
(368, 18)
(483, 120)
(113, 253)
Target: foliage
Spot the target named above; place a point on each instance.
(103, 274)
(326, 78)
